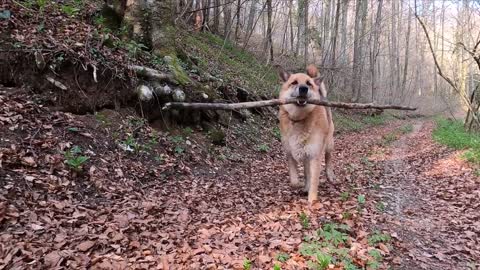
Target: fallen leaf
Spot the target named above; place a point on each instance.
(86, 245)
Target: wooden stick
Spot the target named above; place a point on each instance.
(275, 102)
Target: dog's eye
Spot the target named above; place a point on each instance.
(309, 83)
(294, 83)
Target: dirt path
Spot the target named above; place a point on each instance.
(133, 211)
(433, 201)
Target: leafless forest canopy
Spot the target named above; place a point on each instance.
(369, 50)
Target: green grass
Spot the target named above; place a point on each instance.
(357, 122)
(377, 237)
(282, 257)
(375, 120)
(345, 123)
(247, 264)
(452, 134)
(263, 148)
(389, 138)
(406, 129)
(304, 220)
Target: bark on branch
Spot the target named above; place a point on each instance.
(275, 102)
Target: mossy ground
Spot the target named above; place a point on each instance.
(223, 60)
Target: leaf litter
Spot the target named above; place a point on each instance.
(198, 211)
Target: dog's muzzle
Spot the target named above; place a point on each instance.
(302, 95)
(301, 102)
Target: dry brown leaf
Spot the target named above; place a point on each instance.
(86, 245)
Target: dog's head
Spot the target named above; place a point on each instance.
(303, 86)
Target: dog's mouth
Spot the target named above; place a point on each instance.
(301, 102)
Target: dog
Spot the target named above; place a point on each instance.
(306, 129)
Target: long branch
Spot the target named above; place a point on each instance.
(275, 102)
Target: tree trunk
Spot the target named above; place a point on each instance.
(335, 34)
(407, 47)
(376, 45)
(360, 21)
(237, 26)
(326, 25)
(216, 17)
(162, 29)
(290, 7)
(269, 30)
(206, 14)
(227, 19)
(132, 18)
(301, 27)
(343, 41)
(285, 34)
(306, 33)
(435, 46)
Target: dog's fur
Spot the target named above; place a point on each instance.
(306, 129)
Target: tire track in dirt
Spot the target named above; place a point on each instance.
(418, 216)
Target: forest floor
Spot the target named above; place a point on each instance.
(403, 202)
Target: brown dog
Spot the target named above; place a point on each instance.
(306, 129)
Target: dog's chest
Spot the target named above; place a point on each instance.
(302, 145)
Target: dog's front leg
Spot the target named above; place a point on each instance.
(314, 165)
(293, 170)
(306, 172)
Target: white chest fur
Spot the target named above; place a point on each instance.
(302, 145)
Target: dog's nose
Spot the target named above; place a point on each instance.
(303, 90)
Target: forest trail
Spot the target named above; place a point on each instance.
(433, 204)
(128, 211)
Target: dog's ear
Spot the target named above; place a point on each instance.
(318, 81)
(321, 86)
(284, 75)
(312, 71)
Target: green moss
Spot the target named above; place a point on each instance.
(217, 136)
(175, 67)
(225, 61)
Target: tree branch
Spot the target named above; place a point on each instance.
(440, 72)
(275, 102)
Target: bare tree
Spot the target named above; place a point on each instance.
(376, 45)
(269, 30)
(360, 21)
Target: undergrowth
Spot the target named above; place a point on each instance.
(222, 59)
(345, 122)
(330, 245)
(452, 134)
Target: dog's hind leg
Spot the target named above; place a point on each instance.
(328, 162)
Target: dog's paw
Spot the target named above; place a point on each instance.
(296, 184)
(304, 190)
(312, 198)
